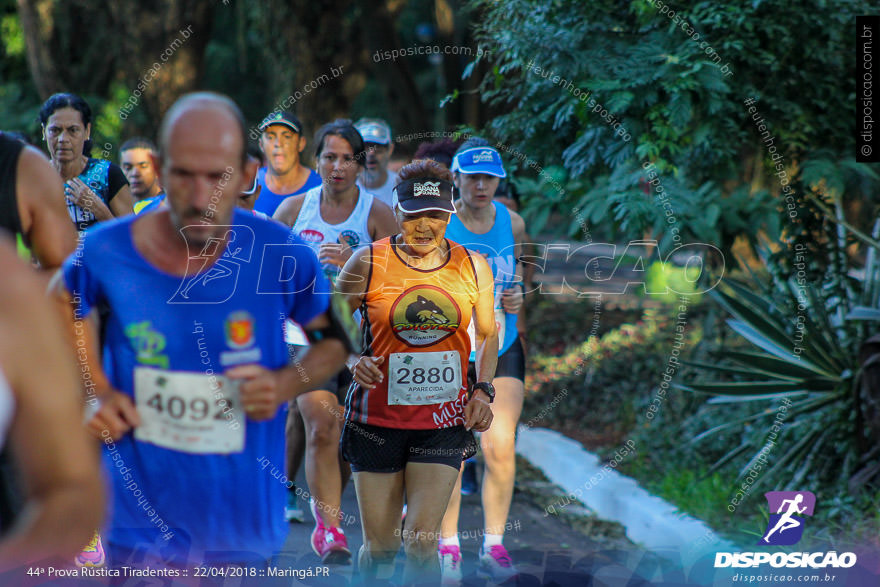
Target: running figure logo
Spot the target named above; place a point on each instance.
(214, 283)
(786, 526)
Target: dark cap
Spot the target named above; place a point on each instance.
(420, 194)
(282, 117)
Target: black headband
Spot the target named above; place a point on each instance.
(418, 187)
(424, 193)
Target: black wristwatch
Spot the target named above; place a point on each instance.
(486, 388)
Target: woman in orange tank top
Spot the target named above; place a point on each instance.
(409, 413)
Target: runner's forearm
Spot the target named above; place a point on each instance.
(313, 368)
(487, 357)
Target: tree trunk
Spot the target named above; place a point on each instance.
(380, 33)
(316, 71)
(38, 33)
(164, 50)
(327, 57)
(86, 47)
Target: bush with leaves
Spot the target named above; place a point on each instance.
(683, 113)
(808, 337)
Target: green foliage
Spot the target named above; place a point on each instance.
(812, 372)
(683, 112)
(671, 279)
(695, 491)
(807, 351)
(18, 97)
(12, 35)
(598, 392)
(108, 125)
(601, 386)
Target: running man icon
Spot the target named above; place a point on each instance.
(795, 504)
(203, 275)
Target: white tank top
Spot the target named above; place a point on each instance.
(7, 408)
(312, 229)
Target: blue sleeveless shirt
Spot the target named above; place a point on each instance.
(499, 246)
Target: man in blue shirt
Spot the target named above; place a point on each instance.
(282, 141)
(195, 375)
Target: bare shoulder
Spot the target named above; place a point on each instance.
(380, 207)
(360, 260)
(517, 224)
(353, 277)
(19, 281)
(42, 180)
(484, 272)
(24, 307)
(383, 220)
(288, 211)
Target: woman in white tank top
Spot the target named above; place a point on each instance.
(334, 219)
(337, 217)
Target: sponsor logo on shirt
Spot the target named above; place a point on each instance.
(424, 315)
(349, 237)
(239, 330)
(311, 236)
(148, 344)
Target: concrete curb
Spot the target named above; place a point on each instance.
(649, 521)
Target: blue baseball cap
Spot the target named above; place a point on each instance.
(479, 160)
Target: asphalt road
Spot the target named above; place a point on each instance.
(546, 551)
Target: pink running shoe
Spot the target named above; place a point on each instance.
(331, 545)
(496, 565)
(93, 554)
(328, 543)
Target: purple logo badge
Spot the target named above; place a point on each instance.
(787, 511)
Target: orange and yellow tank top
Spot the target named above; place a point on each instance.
(418, 320)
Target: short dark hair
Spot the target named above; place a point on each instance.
(424, 168)
(65, 100)
(441, 151)
(342, 127)
(209, 97)
(138, 143)
(255, 151)
(473, 143)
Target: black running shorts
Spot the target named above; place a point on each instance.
(377, 449)
(512, 363)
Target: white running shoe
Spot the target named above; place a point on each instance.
(450, 565)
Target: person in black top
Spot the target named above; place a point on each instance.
(96, 189)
